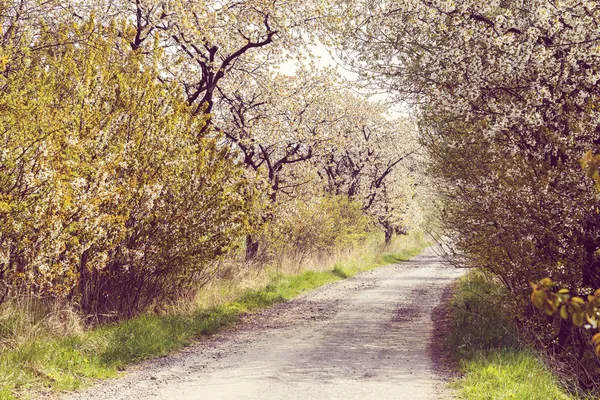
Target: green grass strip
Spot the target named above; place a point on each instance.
(508, 374)
(483, 340)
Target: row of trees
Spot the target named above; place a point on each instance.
(142, 141)
(507, 95)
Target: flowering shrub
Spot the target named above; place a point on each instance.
(108, 195)
(316, 225)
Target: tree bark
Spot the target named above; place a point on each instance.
(564, 334)
(388, 236)
(251, 248)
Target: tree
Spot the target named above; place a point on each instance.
(205, 42)
(279, 123)
(373, 163)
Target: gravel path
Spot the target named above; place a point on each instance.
(367, 337)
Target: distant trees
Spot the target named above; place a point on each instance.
(374, 164)
(279, 123)
(305, 131)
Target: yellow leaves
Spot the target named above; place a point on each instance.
(564, 314)
(107, 164)
(5, 207)
(578, 318)
(574, 307)
(571, 307)
(538, 297)
(547, 282)
(67, 201)
(592, 309)
(590, 163)
(543, 298)
(577, 300)
(4, 60)
(596, 342)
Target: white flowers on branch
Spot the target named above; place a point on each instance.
(507, 96)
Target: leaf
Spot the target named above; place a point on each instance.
(563, 312)
(537, 298)
(590, 309)
(547, 282)
(578, 319)
(551, 307)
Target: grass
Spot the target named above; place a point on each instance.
(36, 357)
(483, 341)
(508, 374)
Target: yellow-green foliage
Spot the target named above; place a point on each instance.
(107, 193)
(316, 225)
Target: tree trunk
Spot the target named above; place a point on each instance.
(251, 248)
(388, 236)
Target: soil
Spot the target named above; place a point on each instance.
(366, 337)
(445, 362)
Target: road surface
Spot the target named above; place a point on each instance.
(367, 337)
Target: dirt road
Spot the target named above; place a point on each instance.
(366, 337)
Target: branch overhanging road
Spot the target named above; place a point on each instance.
(367, 337)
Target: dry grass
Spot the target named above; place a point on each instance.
(241, 276)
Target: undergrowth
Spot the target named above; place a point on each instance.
(484, 343)
(41, 355)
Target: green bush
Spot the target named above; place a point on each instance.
(317, 225)
(478, 321)
(108, 196)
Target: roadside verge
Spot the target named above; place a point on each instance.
(46, 365)
(480, 349)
